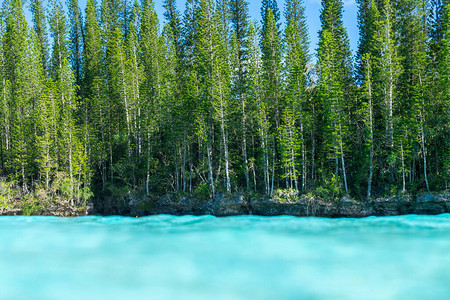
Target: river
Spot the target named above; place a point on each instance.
(248, 257)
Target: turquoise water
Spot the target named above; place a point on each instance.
(249, 257)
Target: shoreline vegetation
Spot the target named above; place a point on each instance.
(114, 111)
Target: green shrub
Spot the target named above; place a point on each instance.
(202, 192)
(331, 190)
(32, 207)
(286, 195)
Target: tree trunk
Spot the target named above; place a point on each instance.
(244, 145)
(225, 144)
(211, 178)
(342, 158)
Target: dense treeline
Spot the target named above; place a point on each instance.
(112, 102)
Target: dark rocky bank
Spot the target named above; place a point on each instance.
(57, 211)
(301, 206)
(237, 204)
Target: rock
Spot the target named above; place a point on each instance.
(11, 212)
(225, 205)
(427, 197)
(90, 208)
(347, 200)
(288, 203)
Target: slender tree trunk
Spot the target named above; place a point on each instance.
(1, 156)
(244, 145)
(390, 128)
(302, 145)
(403, 167)
(313, 154)
(70, 165)
(184, 163)
(369, 183)
(175, 156)
(424, 152)
(273, 168)
(147, 183)
(225, 144)
(127, 113)
(422, 136)
(211, 178)
(342, 158)
(102, 130)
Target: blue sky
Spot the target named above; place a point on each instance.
(312, 14)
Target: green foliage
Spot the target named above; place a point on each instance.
(203, 192)
(146, 205)
(31, 207)
(286, 195)
(331, 190)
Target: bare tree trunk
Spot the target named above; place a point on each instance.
(211, 178)
(342, 158)
(369, 183)
(147, 188)
(302, 145)
(273, 168)
(225, 144)
(424, 152)
(422, 137)
(127, 113)
(244, 145)
(70, 164)
(175, 155)
(184, 164)
(403, 168)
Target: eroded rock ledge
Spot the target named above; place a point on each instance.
(237, 204)
(232, 205)
(58, 211)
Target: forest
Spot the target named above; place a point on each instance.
(99, 104)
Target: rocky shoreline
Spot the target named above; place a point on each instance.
(303, 206)
(237, 204)
(57, 211)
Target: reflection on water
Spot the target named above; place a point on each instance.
(167, 257)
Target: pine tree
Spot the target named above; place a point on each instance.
(17, 89)
(71, 155)
(389, 74)
(271, 62)
(271, 57)
(40, 29)
(415, 82)
(260, 109)
(171, 15)
(221, 86)
(334, 83)
(94, 104)
(151, 47)
(4, 139)
(76, 39)
(177, 119)
(367, 62)
(273, 5)
(444, 80)
(240, 24)
(205, 62)
(297, 57)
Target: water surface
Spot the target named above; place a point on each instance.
(248, 257)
